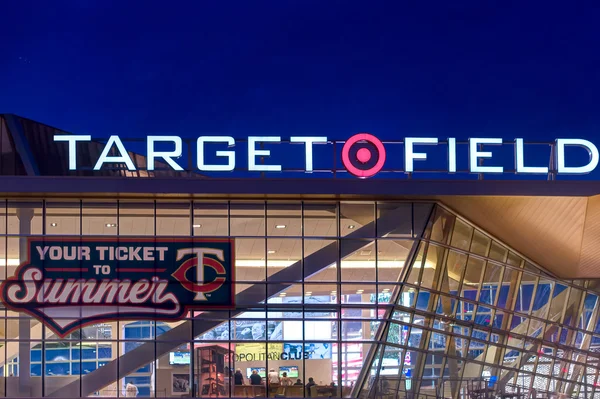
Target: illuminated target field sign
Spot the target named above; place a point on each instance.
(363, 155)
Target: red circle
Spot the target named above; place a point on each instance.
(363, 155)
(363, 174)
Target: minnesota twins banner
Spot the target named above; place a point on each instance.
(68, 283)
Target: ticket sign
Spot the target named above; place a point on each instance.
(69, 283)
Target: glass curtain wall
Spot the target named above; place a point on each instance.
(365, 298)
(313, 283)
(473, 314)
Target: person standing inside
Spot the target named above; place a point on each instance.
(255, 379)
(238, 377)
(131, 391)
(273, 377)
(311, 383)
(285, 380)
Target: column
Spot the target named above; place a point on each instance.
(24, 215)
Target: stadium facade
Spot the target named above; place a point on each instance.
(374, 283)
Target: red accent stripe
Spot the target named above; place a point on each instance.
(73, 269)
(136, 270)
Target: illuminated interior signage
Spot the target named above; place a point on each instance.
(363, 154)
(69, 283)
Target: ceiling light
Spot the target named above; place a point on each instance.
(308, 293)
(271, 251)
(386, 290)
(351, 226)
(53, 224)
(283, 294)
(196, 226)
(280, 226)
(360, 291)
(111, 225)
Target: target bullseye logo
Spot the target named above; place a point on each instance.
(363, 155)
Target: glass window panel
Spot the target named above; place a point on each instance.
(63, 218)
(284, 259)
(359, 263)
(24, 217)
(361, 215)
(461, 236)
(250, 259)
(320, 294)
(320, 260)
(435, 257)
(247, 219)
(498, 252)
(421, 215)
(320, 219)
(210, 219)
(284, 219)
(386, 292)
(135, 218)
(472, 278)
(407, 297)
(480, 244)
(514, 259)
(6, 261)
(398, 214)
(359, 293)
(442, 225)
(173, 218)
(455, 266)
(99, 218)
(391, 258)
(416, 268)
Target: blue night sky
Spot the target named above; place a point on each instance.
(334, 68)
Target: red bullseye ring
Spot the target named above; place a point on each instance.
(363, 155)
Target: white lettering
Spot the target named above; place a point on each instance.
(230, 155)
(451, 155)
(253, 153)
(576, 170)
(308, 152)
(410, 155)
(166, 155)
(475, 155)
(520, 161)
(72, 140)
(42, 252)
(122, 158)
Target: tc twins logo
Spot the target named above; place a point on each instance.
(70, 283)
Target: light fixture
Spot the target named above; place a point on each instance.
(111, 225)
(196, 226)
(53, 224)
(351, 226)
(271, 251)
(280, 226)
(282, 294)
(308, 293)
(386, 290)
(360, 291)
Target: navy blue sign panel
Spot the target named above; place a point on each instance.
(68, 283)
